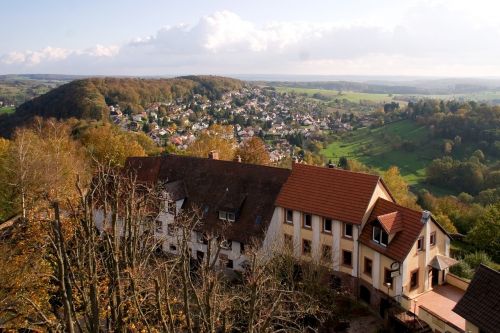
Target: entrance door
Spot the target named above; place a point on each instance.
(435, 277)
(365, 294)
(384, 305)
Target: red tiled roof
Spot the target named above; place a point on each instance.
(334, 193)
(391, 222)
(481, 302)
(402, 242)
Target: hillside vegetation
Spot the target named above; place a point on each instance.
(88, 98)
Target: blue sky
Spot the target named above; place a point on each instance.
(331, 37)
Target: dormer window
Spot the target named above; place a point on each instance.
(227, 216)
(380, 236)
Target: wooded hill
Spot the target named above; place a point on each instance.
(88, 98)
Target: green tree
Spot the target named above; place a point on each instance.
(486, 234)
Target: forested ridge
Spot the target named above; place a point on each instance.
(88, 98)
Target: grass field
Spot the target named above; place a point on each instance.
(7, 109)
(351, 96)
(356, 97)
(483, 96)
(377, 149)
(374, 147)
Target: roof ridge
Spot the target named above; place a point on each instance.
(336, 170)
(223, 161)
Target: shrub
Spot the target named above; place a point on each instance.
(462, 269)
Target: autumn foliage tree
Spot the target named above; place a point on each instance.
(217, 137)
(399, 188)
(109, 145)
(253, 151)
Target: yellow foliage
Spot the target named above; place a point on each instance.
(253, 151)
(109, 145)
(216, 137)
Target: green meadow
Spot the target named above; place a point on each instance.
(351, 96)
(7, 109)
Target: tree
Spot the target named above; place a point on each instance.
(216, 137)
(40, 165)
(253, 151)
(399, 188)
(486, 234)
(107, 144)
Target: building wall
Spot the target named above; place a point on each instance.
(470, 327)
(379, 264)
(318, 239)
(421, 259)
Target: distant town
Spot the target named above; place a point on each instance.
(279, 118)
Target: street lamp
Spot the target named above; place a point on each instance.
(388, 285)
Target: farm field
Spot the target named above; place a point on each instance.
(351, 96)
(356, 97)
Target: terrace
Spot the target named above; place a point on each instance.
(435, 307)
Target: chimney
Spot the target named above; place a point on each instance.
(425, 216)
(330, 164)
(213, 155)
(237, 159)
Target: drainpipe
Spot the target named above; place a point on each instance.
(357, 264)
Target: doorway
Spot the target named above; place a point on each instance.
(435, 277)
(364, 294)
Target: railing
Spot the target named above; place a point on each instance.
(408, 318)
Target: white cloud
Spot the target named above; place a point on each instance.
(432, 38)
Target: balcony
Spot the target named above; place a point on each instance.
(435, 308)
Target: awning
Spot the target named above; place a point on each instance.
(440, 262)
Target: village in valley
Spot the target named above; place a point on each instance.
(280, 119)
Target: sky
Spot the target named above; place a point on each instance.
(439, 38)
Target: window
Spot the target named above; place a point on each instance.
(327, 226)
(223, 259)
(380, 236)
(202, 238)
(420, 244)
(289, 216)
(226, 244)
(226, 216)
(173, 248)
(242, 248)
(326, 253)
(158, 226)
(348, 230)
(433, 238)
(388, 277)
(229, 264)
(414, 279)
(347, 258)
(171, 206)
(306, 247)
(368, 266)
(171, 230)
(307, 221)
(288, 241)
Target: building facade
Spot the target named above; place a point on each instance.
(347, 221)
